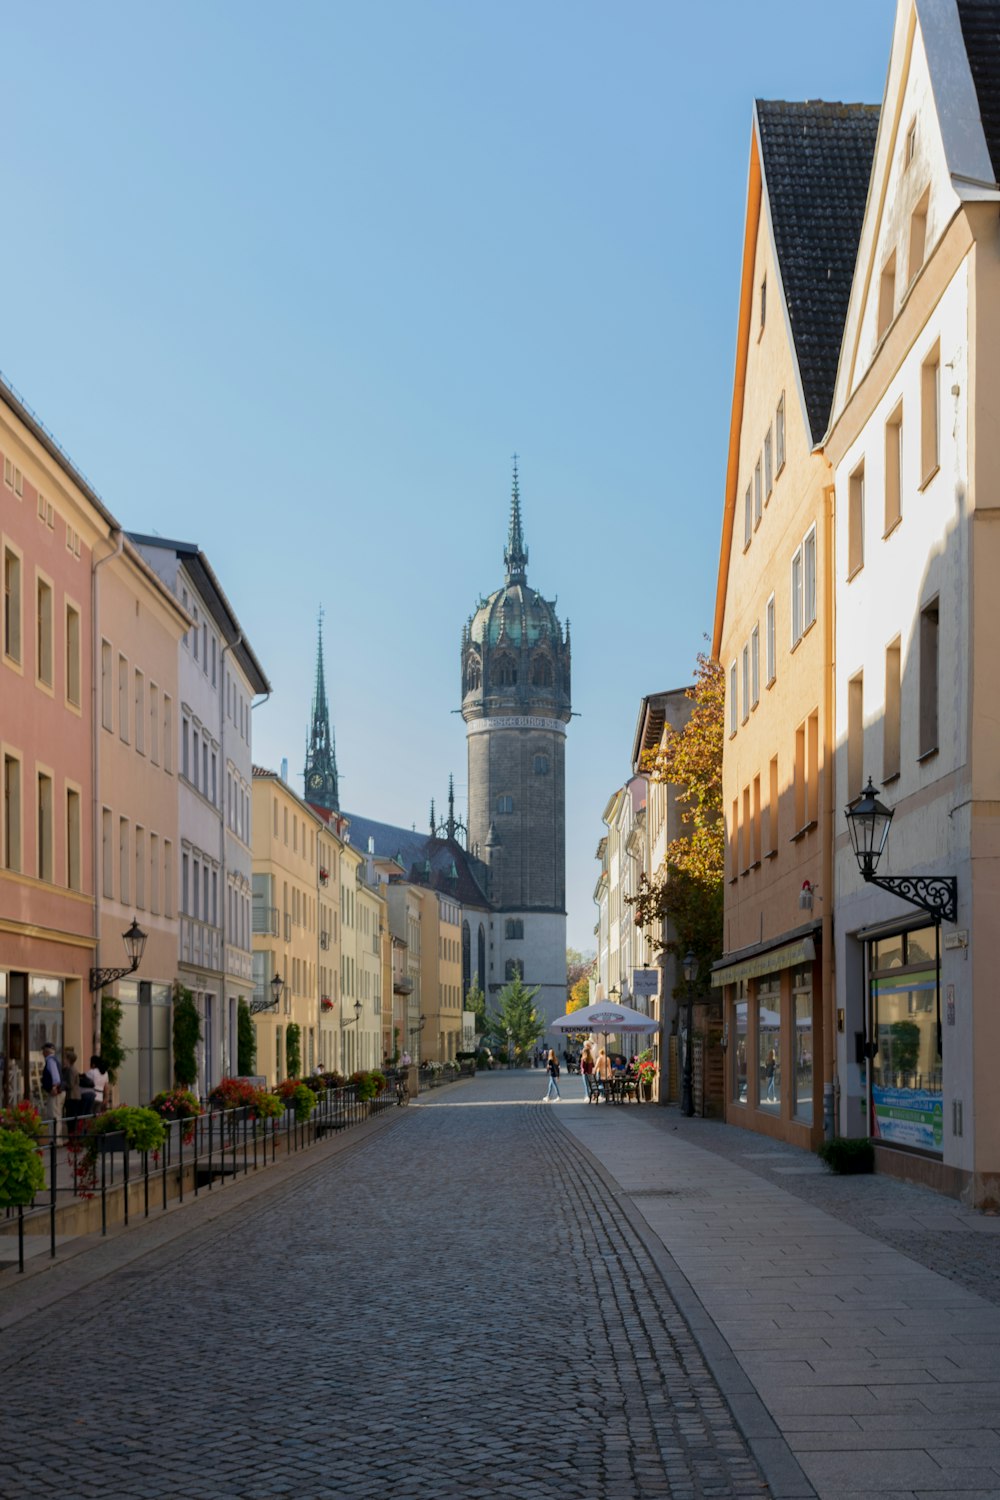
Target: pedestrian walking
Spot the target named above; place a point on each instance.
(603, 1070)
(769, 1071)
(71, 1085)
(586, 1068)
(52, 1088)
(553, 1070)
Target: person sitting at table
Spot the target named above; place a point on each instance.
(602, 1068)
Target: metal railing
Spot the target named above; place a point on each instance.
(198, 1155)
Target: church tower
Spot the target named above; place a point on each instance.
(321, 752)
(516, 705)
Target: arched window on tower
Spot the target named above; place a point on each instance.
(473, 674)
(541, 765)
(504, 671)
(541, 672)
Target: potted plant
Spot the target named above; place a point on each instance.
(22, 1174)
(123, 1129)
(646, 1070)
(24, 1118)
(177, 1104)
(297, 1096)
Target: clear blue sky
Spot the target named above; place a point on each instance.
(294, 282)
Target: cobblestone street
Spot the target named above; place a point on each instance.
(454, 1307)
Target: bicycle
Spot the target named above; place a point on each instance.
(402, 1091)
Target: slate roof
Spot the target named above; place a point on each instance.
(817, 162)
(980, 21)
(415, 850)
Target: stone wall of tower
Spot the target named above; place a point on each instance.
(528, 858)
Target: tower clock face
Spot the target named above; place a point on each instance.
(315, 781)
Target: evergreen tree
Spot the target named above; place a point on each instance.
(516, 1020)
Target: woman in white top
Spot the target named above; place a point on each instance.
(99, 1080)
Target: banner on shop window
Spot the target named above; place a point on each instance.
(909, 1117)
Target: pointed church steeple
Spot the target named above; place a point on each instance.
(321, 752)
(450, 825)
(515, 553)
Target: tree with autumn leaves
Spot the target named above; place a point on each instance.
(687, 889)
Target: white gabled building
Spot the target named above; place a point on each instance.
(914, 441)
(218, 679)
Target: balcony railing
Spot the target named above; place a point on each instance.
(324, 940)
(265, 919)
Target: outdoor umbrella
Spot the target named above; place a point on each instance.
(606, 1017)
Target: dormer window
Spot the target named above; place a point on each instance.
(910, 149)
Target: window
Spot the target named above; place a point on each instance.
(505, 804)
(757, 494)
(204, 766)
(918, 236)
(763, 304)
(44, 851)
(797, 597)
(733, 710)
(772, 806)
(154, 723)
(855, 736)
(929, 629)
(107, 854)
(185, 757)
(755, 666)
(887, 295)
(734, 841)
(515, 927)
(768, 466)
(893, 469)
(168, 878)
(514, 969)
(123, 861)
(746, 683)
(770, 642)
(747, 830)
(809, 578)
(801, 797)
(541, 765)
(856, 521)
(44, 623)
(930, 415)
(910, 148)
(106, 709)
(168, 737)
(812, 785)
(779, 436)
(11, 605)
(154, 873)
(755, 823)
(140, 868)
(748, 516)
(123, 699)
(11, 812)
(505, 671)
(139, 719)
(74, 868)
(73, 655)
(891, 722)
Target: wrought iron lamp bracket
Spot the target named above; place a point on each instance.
(935, 894)
(99, 978)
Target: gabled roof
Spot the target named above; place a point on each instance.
(980, 20)
(425, 860)
(816, 161)
(212, 592)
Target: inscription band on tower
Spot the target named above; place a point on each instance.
(516, 721)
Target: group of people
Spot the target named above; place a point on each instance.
(68, 1094)
(602, 1067)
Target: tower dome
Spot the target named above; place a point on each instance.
(515, 653)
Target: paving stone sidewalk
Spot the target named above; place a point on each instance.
(855, 1319)
(456, 1307)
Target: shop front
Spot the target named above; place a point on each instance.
(32, 1015)
(771, 1037)
(903, 1035)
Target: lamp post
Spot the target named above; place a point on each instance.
(135, 945)
(687, 1096)
(276, 987)
(868, 820)
(510, 1049)
(415, 1032)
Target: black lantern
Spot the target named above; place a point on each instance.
(277, 985)
(135, 945)
(868, 820)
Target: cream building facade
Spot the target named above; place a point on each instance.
(773, 631)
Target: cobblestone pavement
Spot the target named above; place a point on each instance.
(933, 1230)
(455, 1308)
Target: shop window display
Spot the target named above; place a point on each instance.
(907, 1106)
(769, 1043)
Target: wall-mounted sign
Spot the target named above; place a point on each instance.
(646, 982)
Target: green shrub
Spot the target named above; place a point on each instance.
(21, 1172)
(112, 1050)
(848, 1154)
(142, 1128)
(246, 1039)
(293, 1049)
(296, 1095)
(187, 1035)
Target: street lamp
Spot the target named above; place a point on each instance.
(687, 1096)
(135, 944)
(868, 820)
(510, 1049)
(356, 1016)
(276, 987)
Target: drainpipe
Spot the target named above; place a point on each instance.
(97, 820)
(831, 1083)
(229, 646)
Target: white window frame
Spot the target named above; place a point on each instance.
(770, 641)
(746, 681)
(755, 666)
(733, 704)
(796, 597)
